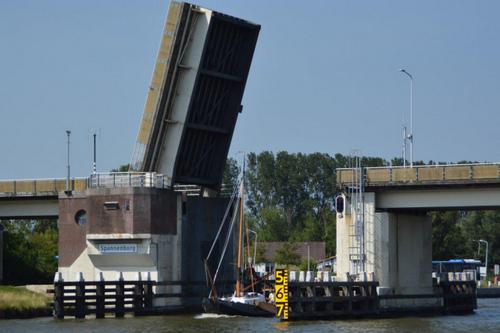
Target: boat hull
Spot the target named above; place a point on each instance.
(219, 306)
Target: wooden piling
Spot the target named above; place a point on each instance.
(138, 298)
(148, 295)
(80, 298)
(59, 297)
(100, 298)
(120, 298)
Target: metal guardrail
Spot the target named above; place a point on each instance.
(52, 187)
(425, 174)
(128, 179)
(145, 179)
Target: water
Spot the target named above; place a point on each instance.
(486, 319)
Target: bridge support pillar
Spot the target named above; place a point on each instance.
(403, 244)
(398, 248)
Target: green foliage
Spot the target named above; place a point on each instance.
(311, 231)
(455, 235)
(30, 250)
(272, 225)
(482, 225)
(448, 240)
(305, 267)
(122, 168)
(330, 234)
(231, 173)
(287, 255)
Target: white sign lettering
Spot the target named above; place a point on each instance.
(118, 248)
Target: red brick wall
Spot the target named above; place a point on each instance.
(71, 235)
(140, 210)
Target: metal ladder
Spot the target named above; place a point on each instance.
(357, 225)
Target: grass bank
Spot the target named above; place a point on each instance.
(19, 302)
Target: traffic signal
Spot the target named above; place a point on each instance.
(339, 204)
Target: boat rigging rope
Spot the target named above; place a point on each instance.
(226, 213)
(228, 238)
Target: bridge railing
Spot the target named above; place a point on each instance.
(422, 174)
(146, 179)
(52, 187)
(39, 187)
(128, 179)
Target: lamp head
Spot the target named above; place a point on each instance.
(402, 70)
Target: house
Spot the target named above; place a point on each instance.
(312, 250)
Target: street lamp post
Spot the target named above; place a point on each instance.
(404, 146)
(486, 258)
(479, 241)
(94, 162)
(68, 175)
(409, 136)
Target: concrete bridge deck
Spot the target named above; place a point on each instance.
(482, 174)
(42, 188)
(34, 198)
(429, 187)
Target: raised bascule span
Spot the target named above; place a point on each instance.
(195, 95)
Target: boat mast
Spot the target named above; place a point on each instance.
(240, 236)
(249, 257)
(240, 241)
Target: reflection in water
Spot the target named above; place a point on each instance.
(486, 319)
(282, 325)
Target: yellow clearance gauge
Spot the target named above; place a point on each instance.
(281, 290)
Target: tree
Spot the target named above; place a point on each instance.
(231, 174)
(448, 240)
(306, 266)
(30, 250)
(122, 168)
(287, 255)
(311, 231)
(482, 225)
(272, 225)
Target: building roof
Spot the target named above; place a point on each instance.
(328, 259)
(316, 249)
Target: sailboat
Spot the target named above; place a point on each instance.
(245, 300)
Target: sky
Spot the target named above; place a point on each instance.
(324, 78)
